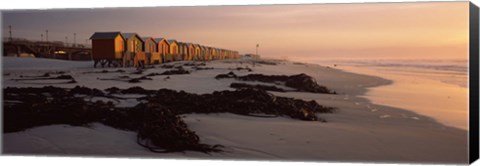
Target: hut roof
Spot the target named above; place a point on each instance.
(129, 35)
(105, 35)
(172, 41)
(158, 40)
(146, 38)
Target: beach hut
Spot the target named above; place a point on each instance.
(229, 54)
(236, 55)
(200, 52)
(224, 54)
(208, 53)
(107, 48)
(134, 50)
(213, 53)
(182, 50)
(203, 53)
(163, 48)
(174, 50)
(191, 51)
(197, 52)
(184, 53)
(220, 54)
(150, 48)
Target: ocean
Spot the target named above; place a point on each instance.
(453, 72)
(435, 88)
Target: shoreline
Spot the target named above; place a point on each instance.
(448, 99)
(385, 134)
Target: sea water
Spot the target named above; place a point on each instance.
(434, 88)
(452, 71)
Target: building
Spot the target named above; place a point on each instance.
(213, 53)
(164, 49)
(236, 55)
(134, 54)
(196, 55)
(183, 50)
(208, 52)
(108, 48)
(191, 51)
(150, 49)
(203, 53)
(220, 54)
(174, 50)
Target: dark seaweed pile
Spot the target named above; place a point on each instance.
(48, 76)
(301, 82)
(194, 64)
(156, 119)
(178, 70)
(106, 71)
(263, 87)
(175, 71)
(242, 68)
(202, 68)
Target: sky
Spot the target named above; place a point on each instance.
(424, 30)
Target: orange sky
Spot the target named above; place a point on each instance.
(426, 30)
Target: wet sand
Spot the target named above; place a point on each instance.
(446, 103)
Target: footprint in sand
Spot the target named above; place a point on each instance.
(374, 110)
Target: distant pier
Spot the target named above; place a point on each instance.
(42, 49)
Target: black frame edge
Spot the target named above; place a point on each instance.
(473, 84)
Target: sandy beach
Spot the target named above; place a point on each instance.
(384, 130)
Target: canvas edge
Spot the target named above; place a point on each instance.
(474, 84)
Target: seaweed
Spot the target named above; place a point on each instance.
(301, 82)
(157, 122)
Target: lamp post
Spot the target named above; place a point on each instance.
(48, 45)
(66, 41)
(74, 39)
(10, 33)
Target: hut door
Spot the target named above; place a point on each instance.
(135, 46)
(132, 46)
